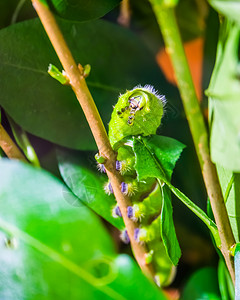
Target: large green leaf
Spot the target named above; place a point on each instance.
(224, 100)
(156, 157)
(132, 282)
(80, 175)
(53, 250)
(153, 164)
(47, 109)
(228, 8)
(35, 213)
(167, 150)
(202, 285)
(224, 105)
(82, 10)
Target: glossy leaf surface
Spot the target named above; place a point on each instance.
(80, 174)
(82, 10)
(46, 249)
(156, 157)
(44, 107)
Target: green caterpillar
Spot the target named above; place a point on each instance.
(138, 113)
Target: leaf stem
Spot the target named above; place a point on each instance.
(9, 147)
(198, 212)
(191, 205)
(79, 86)
(168, 25)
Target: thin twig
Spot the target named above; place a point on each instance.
(9, 147)
(168, 25)
(84, 97)
(125, 14)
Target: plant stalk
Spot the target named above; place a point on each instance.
(94, 120)
(171, 35)
(9, 147)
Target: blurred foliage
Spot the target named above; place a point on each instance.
(191, 16)
(46, 252)
(225, 283)
(202, 285)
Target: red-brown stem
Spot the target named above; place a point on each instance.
(85, 99)
(9, 147)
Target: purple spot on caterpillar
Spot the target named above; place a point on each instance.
(124, 237)
(124, 187)
(136, 233)
(110, 188)
(117, 211)
(101, 168)
(118, 165)
(130, 212)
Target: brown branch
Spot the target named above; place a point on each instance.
(168, 25)
(85, 99)
(9, 147)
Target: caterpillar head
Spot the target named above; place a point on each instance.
(137, 112)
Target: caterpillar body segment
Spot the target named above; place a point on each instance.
(139, 112)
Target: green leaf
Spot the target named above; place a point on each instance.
(166, 151)
(133, 282)
(82, 10)
(42, 235)
(224, 121)
(87, 184)
(230, 183)
(50, 110)
(168, 229)
(202, 285)
(35, 214)
(224, 100)
(151, 164)
(230, 9)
